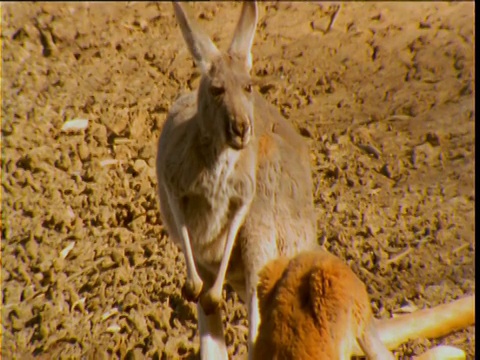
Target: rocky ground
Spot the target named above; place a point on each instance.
(384, 95)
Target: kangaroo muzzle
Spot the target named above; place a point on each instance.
(239, 133)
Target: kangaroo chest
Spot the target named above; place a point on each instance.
(209, 202)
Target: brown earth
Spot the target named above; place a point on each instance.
(385, 98)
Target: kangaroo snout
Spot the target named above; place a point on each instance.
(241, 128)
(240, 131)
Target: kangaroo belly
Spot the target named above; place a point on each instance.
(208, 224)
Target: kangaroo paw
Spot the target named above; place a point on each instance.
(191, 290)
(210, 301)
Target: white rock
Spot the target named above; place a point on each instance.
(75, 125)
(64, 253)
(443, 352)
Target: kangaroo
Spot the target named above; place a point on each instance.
(234, 180)
(313, 306)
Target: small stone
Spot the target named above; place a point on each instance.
(64, 253)
(340, 207)
(75, 125)
(139, 165)
(114, 328)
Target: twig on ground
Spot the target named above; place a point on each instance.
(370, 149)
(332, 19)
(460, 248)
(399, 256)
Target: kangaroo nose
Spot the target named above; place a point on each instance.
(240, 128)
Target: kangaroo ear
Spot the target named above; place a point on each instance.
(242, 41)
(269, 277)
(199, 44)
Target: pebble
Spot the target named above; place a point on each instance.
(340, 207)
(139, 165)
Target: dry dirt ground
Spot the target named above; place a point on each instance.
(384, 98)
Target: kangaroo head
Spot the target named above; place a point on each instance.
(225, 96)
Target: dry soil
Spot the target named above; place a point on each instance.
(384, 95)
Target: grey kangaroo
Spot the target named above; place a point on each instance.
(234, 180)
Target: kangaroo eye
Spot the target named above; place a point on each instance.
(248, 88)
(217, 90)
